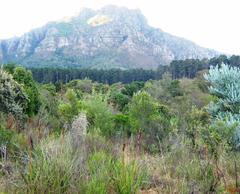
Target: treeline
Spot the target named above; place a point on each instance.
(178, 69)
(54, 75)
(189, 67)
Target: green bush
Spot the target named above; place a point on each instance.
(5, 136)
(24, 77)
(99, 114)
(69, 108)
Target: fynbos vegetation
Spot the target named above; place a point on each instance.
(104, 103)
(158, 136)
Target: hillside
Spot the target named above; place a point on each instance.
(112, 37)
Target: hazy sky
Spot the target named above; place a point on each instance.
(210, 23)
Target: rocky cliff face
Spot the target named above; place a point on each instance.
(113, 37)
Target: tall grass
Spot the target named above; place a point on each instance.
(108, 174)
(128, 178)
(50, 168)
(99, 168)
(56, 167)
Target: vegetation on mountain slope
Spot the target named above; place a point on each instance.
(112, 37)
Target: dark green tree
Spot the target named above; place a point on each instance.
(24, 77)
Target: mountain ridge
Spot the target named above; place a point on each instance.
(112, 37)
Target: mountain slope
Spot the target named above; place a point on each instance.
(113, 37)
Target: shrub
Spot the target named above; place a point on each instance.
(99, 114)
(71, 107)
(13, 98)
(148, 118)
(24, 77)
(5, 136)
(225, 86)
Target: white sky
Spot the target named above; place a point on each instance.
(209, 23)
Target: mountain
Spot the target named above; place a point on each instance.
(112, 37)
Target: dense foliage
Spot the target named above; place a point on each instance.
(225, 86)
(13, 98)
(166, 136)
(55, 75)
(24, 77)
(178, 69)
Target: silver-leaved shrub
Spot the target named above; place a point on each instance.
(225, 87)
